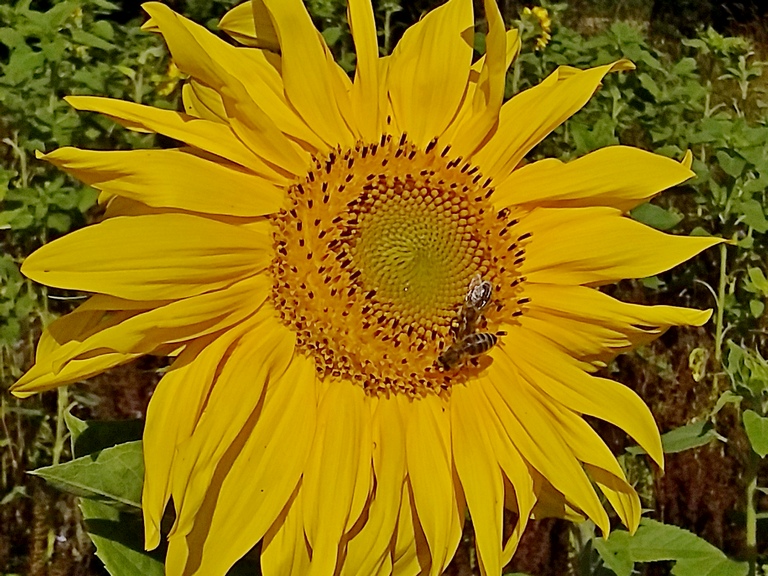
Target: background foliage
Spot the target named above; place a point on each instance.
(708, 388)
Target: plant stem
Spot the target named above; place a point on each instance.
(62, 402)
(751, 513)
(720, 305)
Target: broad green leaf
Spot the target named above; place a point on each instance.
(756, 307)
(332, 35)
(684, 438)
(103, 29)
(726, 397)
(689, 436)
(111, 475)
(655, 216)
(652, 283)
(75, 427)
(757, 282)
(754, 215)
(89, 436)
(733, 166)
(615, 556)
(88, 39)
(757, 431)
(654, 542)
(118, 540)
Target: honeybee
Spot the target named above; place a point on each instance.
(469, 346)
(477, 298)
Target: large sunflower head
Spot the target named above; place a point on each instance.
(379, 317)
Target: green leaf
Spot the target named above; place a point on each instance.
(103, 29)
(757, 431)
(756, 307)
(11, 38)
(75, 427)
(733, 166)
(617, 558)
(89, 436)
(757, 281)
(684, 438)
(754, 215)
(58, 221)
(726, 397)
(118, 540)
(88, 39)
(689, 436)
(655, 216)
(654, 542)
(111, 475)
(332, 35)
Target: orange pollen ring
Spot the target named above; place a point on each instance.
(374, 258)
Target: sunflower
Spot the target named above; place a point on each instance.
(380, 318)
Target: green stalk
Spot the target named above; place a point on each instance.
(62, 402)
(751, 514)
(720, 304)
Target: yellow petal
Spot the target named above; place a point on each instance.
(172, 179)
(261, 355)
(172, 324)
(216, 64)
(550, 503)
(284, 550)
(337, 479)
(368, 552)
(40, 378)
(366, 90)
(536, 433)
(311, 79)
(516, 469)
(531, 115)
(203, 102)
(410, 554)
(60, 341)
(152, 257)
(559, 377)
(479, 473)
(266, 471)
(213, 137)
(171, 416)
(599, 246)
(429, 71)
(249, 24)
(489, 93)
(596, 325)
(430, 469)
(604, 470)
(618, 176)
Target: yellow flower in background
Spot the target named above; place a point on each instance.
(545, 23)
(379, 319)
(170, 80)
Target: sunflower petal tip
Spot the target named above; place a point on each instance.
(700, 317)
(687, 160)
(623, 65)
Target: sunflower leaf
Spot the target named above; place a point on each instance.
(757, 432)
(117, 537)
(113, 475)
(683, 438)
(656, 216)
(654, 542)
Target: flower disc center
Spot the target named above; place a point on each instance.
(374, 258)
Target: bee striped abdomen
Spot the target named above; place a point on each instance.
(469, 346)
